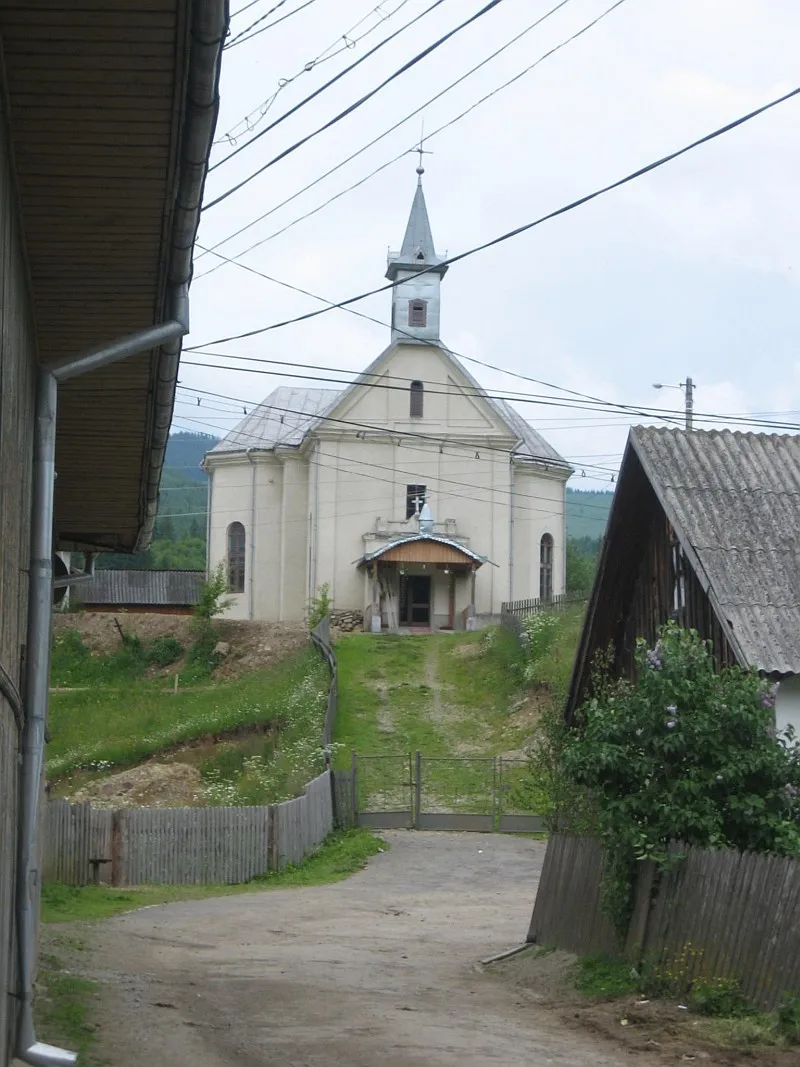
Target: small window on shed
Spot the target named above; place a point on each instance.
(417, 313)
(546, 567)
(416, 395)
(236, 551)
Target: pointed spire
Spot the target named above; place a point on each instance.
(418, 240)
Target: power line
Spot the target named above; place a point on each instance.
(391, 129)
(241, 37)
(571, 206)
(348, 42)
(327, 85)
(359, 463)
(354, 106)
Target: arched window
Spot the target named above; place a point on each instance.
(417, 313)
(417, 392)
(546, 567)
(236, 544)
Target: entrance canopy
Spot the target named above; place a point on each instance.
(424, 548)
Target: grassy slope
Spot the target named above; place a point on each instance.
(121, 718)
(387, 701)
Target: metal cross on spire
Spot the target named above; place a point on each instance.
(421, 151)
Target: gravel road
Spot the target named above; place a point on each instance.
(376, 971)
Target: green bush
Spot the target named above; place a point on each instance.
(789, 1019)
(687, 754)
(164, 650)
(719, 997)
(318, 607)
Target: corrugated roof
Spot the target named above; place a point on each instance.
(284, 418)
(734, 501)
(288, 414)
(167, 588)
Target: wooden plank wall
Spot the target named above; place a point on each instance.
(17, 362)
(184, 846)
(717, 914)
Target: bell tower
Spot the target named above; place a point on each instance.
(417, 272)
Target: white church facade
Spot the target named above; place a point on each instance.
(411, 494)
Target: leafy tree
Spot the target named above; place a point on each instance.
(684, 753)
(581, 566)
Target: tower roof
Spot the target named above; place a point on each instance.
(418, 239)
(417, 251)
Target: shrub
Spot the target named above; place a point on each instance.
(789, 1019)
(660, 768)
(719, 997)
(164, 650)
(318, 607)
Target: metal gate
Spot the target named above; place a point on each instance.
(478, 793)
(383, 791)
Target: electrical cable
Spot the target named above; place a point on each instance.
(391, 129)
(524, 228)
(241, 37)
(348, 42)
(327, 85)
(352, 107)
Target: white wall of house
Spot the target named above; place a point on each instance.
(307, 511)
(787, 706)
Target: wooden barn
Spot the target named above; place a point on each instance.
(161, 592)
(107, 115)
(703, 529)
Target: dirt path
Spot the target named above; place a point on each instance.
(377, 970)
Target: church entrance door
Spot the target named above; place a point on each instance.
(415, 600)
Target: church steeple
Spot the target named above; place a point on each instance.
(418, 271)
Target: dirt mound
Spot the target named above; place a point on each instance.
(252, 645)
(153, 785)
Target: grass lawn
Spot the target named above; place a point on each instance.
(341, 855)
(122, 718)
(444, 694)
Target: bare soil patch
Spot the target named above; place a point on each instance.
(152, 785)
(663, 1030)
(253, 645)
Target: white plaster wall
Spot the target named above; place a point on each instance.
(787, 706)
(312, 509)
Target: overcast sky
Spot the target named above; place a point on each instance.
(692, 270)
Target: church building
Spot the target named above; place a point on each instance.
(414, 496)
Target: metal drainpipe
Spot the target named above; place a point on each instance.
(252, 552)
(37, 672)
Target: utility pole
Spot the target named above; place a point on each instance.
(688, 389)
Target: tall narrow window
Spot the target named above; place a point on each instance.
(236, 541)
(415, 498)
(546, 567)
(417, 313)
(417, 393)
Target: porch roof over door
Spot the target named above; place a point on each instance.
(424, 548)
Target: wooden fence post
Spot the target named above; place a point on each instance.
(642, 906)
(274, 855)
(116, 848)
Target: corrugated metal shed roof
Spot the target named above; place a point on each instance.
(170, 588)
(734, 501)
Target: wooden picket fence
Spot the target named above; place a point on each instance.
(181, 846)
(512, 612)
(713, 914)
